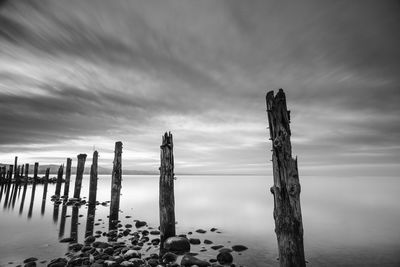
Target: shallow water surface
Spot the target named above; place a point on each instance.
(347, 221)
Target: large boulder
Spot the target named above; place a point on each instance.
(177, 244)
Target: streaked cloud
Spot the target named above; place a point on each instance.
(78, 74)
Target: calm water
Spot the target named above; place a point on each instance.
(347, 222)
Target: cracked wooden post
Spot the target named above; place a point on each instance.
(115, 185)
(59, 180)
(286, 188)
(93, 179)
(166, 197)
(35, 172)
(79, 175)
(67, 178)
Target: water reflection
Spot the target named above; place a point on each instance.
(32, 201)
(21, 207)
(62, 223)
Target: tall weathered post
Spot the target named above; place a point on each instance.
(93, 179)
(35, 172)
(67, 177)
(79, 175)
(16, 176)
(22, 172)
(116, 184)
(286, 188)
(166, 197)
(59, 180)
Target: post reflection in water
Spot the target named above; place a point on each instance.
(44, 199)
(11, 196)
(62, 223)
(32, 201)
(74, 224)
(14, 196)
(90, 220)
(21, 207)
(1, 191)
(7, 195)
(55, 212)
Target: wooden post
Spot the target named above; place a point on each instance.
(115, 185)
(26, 170)
(35, 172)
(166, 197)
(79, 175)
(59, 180)
(10, 172)
(93, 179)
(15, 168)
(22, 173)
(62, 223)
(74, 224)
(67, 177)
(90, 220)
(16, 177)
(46, 177)
(286, 188)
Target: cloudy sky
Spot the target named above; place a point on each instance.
(77, 75)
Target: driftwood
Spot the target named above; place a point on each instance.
(116, 179)
(79, 175)
(166, 198)
(286, 189)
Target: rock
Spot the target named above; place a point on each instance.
(189, 260)
(216, 247)
(30, 259)
(224, 258)
(75, 246)
(177, 244)
(96, 264)
(213, 229)
(239, 248)
(60, 262)
(201, 231)
(207, 242)
(108, 251)
(30, 264)
(169, 257)
(66, 240)
(126, 264)
(194, 241)
(90, 239)
(152, 262)
(225, 250)
(128, 225)
(154, 232)
(155, 241)
(99, 244)
(139, 224)
(131, 254)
